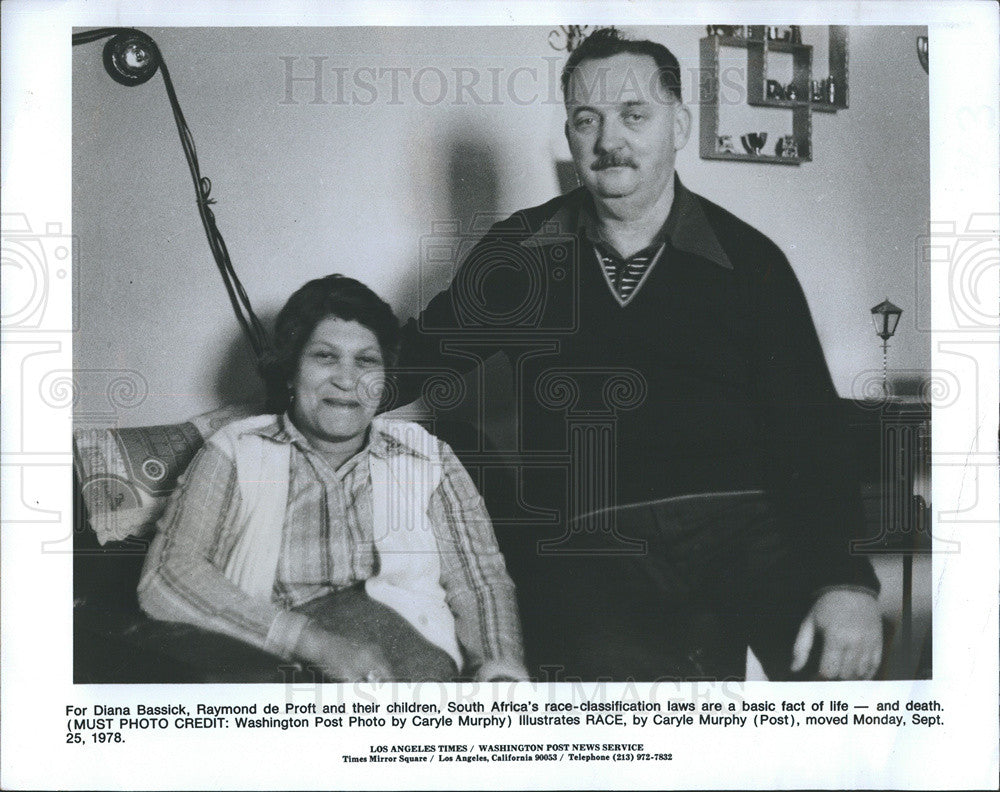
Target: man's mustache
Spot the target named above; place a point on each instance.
(612, 160)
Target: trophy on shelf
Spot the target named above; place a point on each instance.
(724, 145)
(786, 147)
(775, 90)
(754, 142)
(726, 31)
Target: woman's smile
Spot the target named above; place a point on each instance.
(336, 387)
(337, 401)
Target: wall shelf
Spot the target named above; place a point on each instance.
(709, 130)
(787, 104)
(770, 158)
(838, 69)
(760, 52)
(758, 70)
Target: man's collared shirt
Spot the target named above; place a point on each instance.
(686, 228)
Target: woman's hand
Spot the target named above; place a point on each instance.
(340, 658)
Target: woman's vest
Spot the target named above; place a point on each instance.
(408, 577)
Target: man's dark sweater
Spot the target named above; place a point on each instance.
(711, 378)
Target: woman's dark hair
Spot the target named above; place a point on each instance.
(334, 295)
(606, 42)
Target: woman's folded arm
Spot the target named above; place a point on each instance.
(182, 579)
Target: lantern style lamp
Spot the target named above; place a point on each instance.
(885, 317)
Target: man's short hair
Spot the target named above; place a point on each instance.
(605, 42)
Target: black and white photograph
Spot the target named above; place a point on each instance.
(505, 388)
(675, 390)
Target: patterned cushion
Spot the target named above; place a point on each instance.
(126, 475)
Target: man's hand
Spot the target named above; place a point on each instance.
(851, 629)
(340, 658)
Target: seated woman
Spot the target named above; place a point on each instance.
(326, 535)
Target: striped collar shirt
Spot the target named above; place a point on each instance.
(625, 276)
(685, 229)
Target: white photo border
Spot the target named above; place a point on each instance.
(35, 585)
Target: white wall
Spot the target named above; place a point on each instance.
(306, 189)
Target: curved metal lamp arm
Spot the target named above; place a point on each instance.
(132, 58)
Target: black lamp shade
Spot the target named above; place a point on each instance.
(885, 317)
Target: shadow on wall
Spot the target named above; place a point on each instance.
(474, 202)
(566, 176)
(473, 185)
(473, 205)
(236, 378)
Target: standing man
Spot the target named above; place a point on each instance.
(665, 349)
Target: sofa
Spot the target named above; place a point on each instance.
(122, 478)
